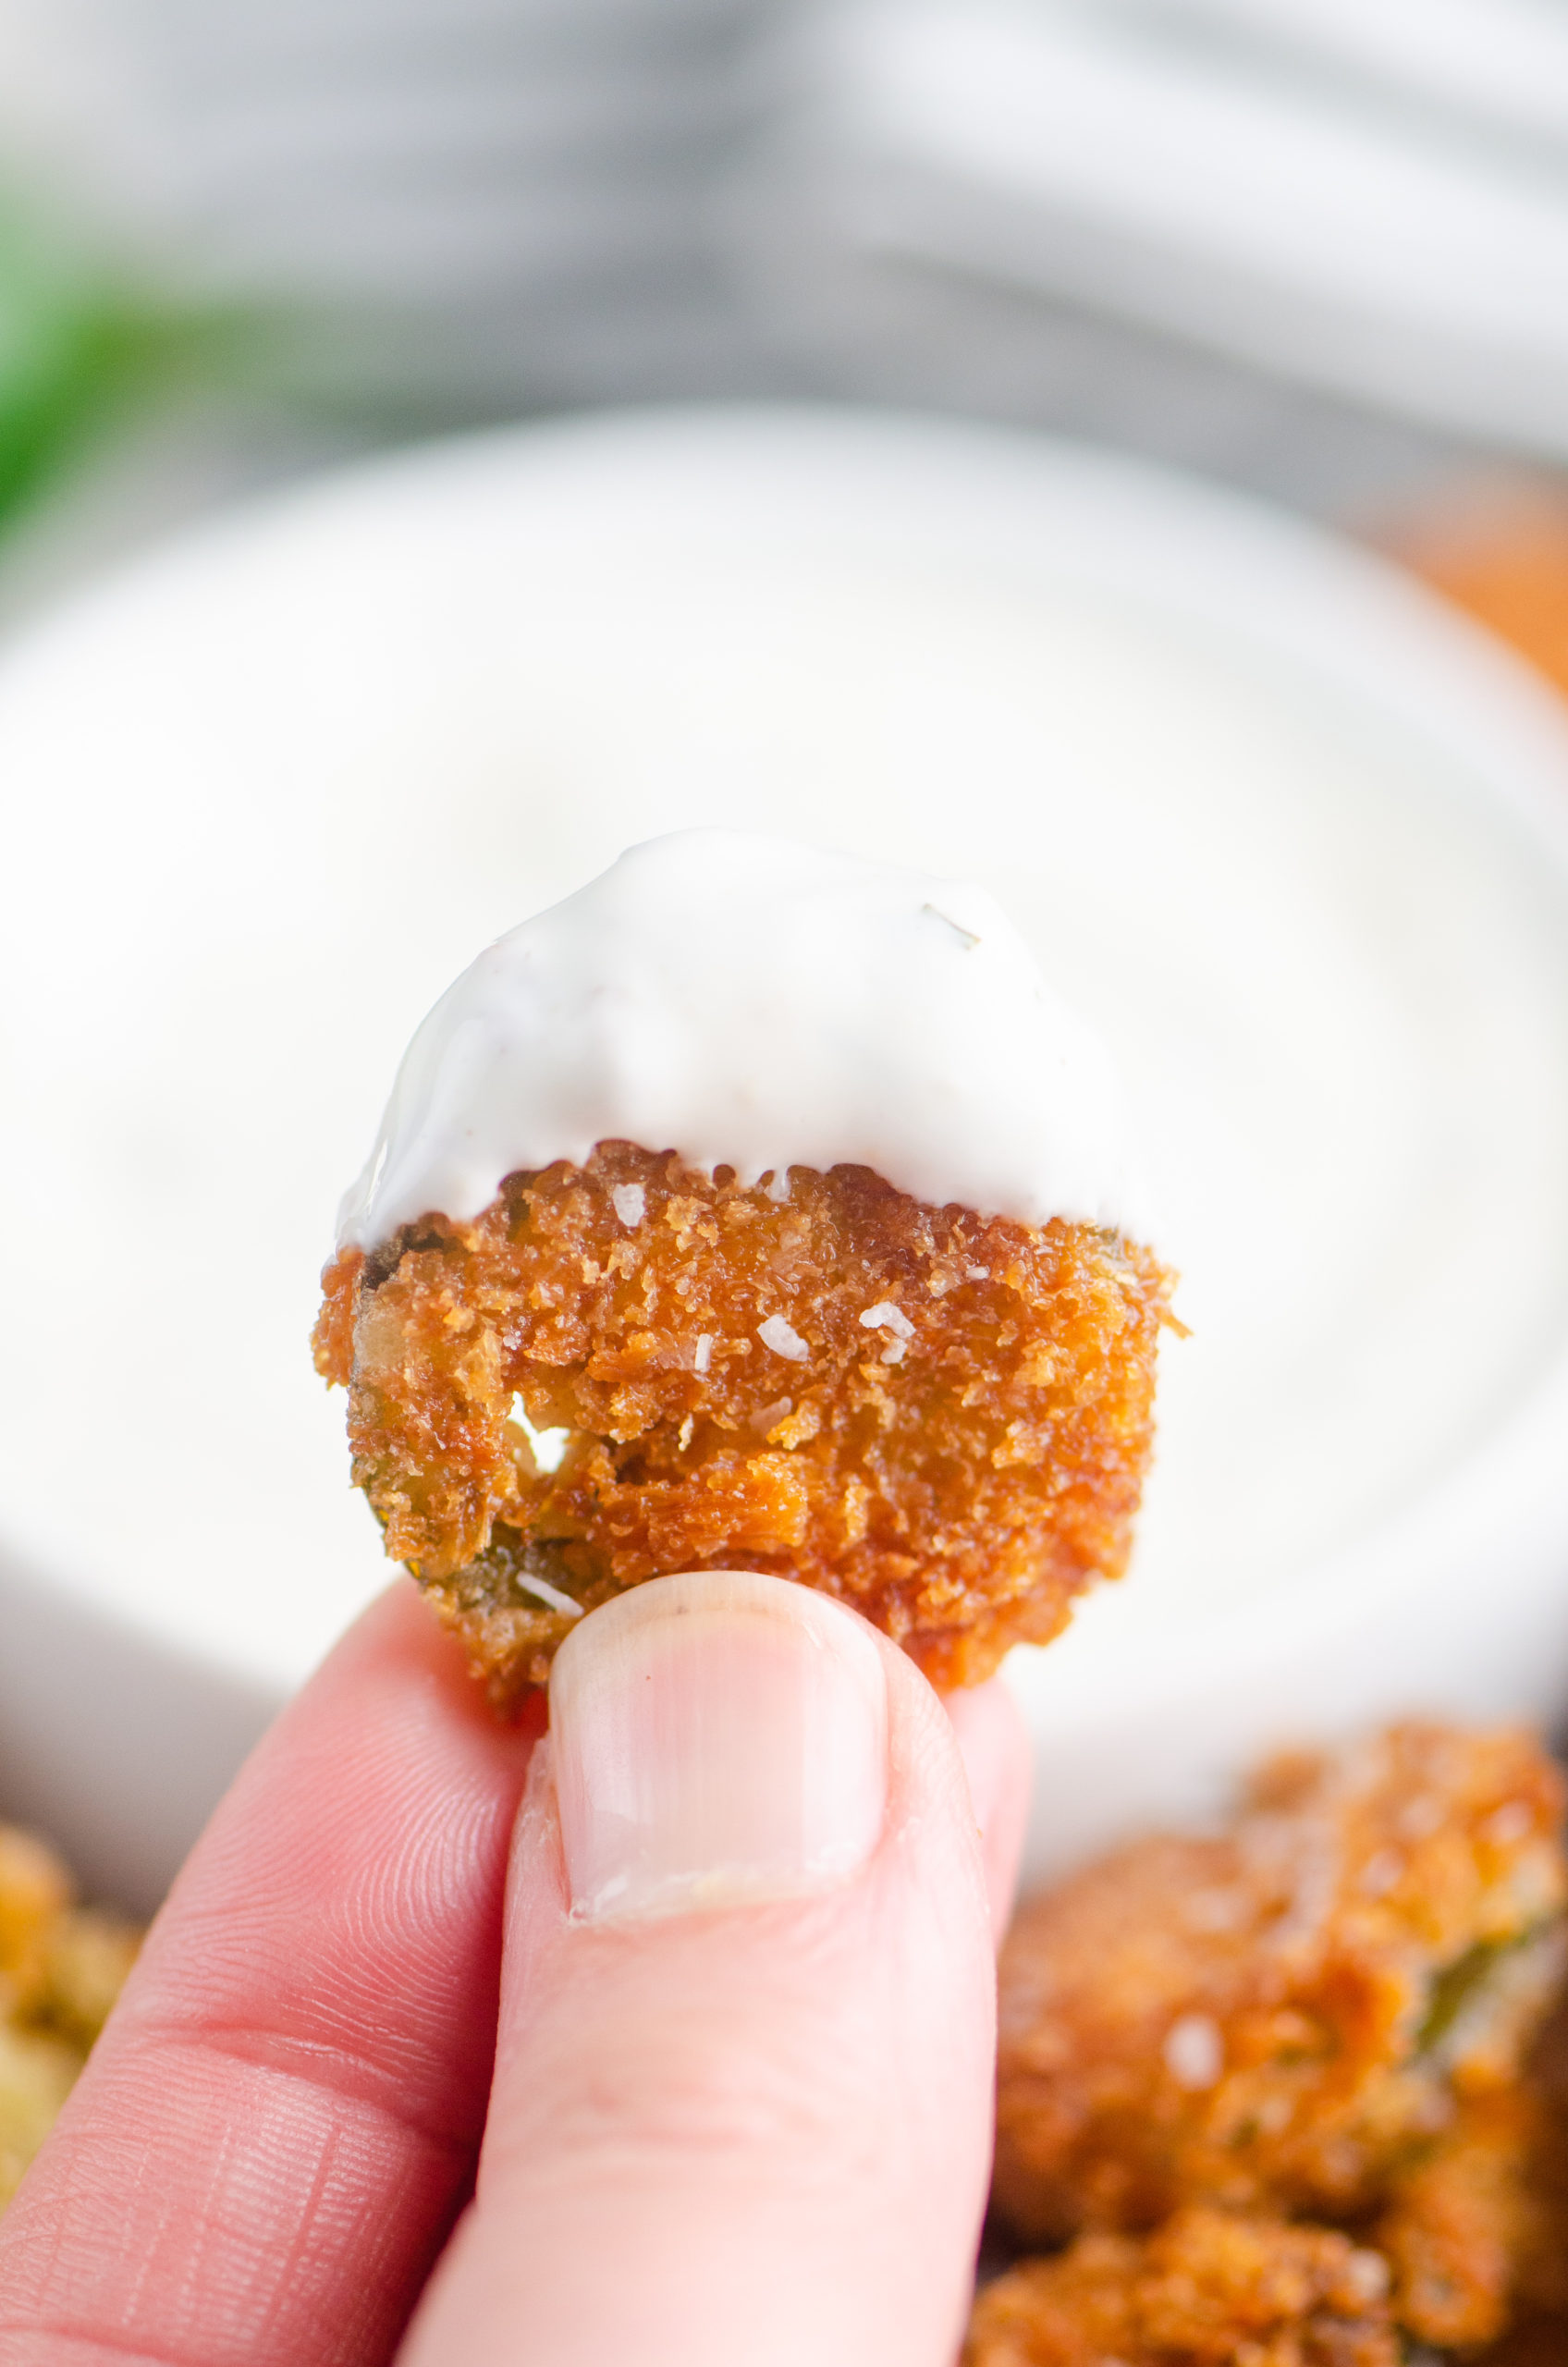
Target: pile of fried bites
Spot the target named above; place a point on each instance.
(61, 1968)
(1295, 2094)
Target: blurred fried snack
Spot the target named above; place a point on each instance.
(1500, 550)
(61, 1969)
(1538, 2336)
(1291, 2016)
(1462, 2222)
(942, 1420)
(1207, 2289)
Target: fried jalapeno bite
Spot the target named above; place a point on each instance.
(942, 1420)
(756, 1208)
(1289, 2015)
(1207, 2289)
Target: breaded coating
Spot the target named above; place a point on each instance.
(1292, 2017)
(91, 1953)
(35, 1891)
(61, 1969)
(943, 1420)
(1462, 2222)
(1207, 2289)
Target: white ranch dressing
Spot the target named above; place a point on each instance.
(750, 1002)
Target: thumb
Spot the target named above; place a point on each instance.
(741, 2105)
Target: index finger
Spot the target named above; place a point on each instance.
(266, 2151)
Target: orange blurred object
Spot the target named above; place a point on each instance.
(1503, 557)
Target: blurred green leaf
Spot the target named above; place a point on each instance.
(80, 346)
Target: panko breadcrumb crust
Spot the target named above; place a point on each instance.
(61, 1968)
(945, 1420)
(1327, 2011)
(1207, 2289)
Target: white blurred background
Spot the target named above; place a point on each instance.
(1318, 248)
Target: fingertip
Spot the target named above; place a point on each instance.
(993, 1742)
(398, 1627)
(397, 1642)
(719, 2007)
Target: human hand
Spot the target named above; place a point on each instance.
(733, 1922)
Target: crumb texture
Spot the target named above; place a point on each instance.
(1345, 2009)
(944, 1420)
(1207, 2289)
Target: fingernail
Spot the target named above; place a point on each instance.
(718, 1737)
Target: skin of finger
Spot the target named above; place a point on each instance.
(273, 2135)
(761, 2134)
(993, 1740)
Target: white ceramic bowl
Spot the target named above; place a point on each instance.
(268, 790)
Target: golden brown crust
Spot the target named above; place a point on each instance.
(1207, 2289)
(61, 1968)
(1291, 2016)
(957, 1470)
(1462, 2221)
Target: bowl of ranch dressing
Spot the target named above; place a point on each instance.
(1289, 834)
